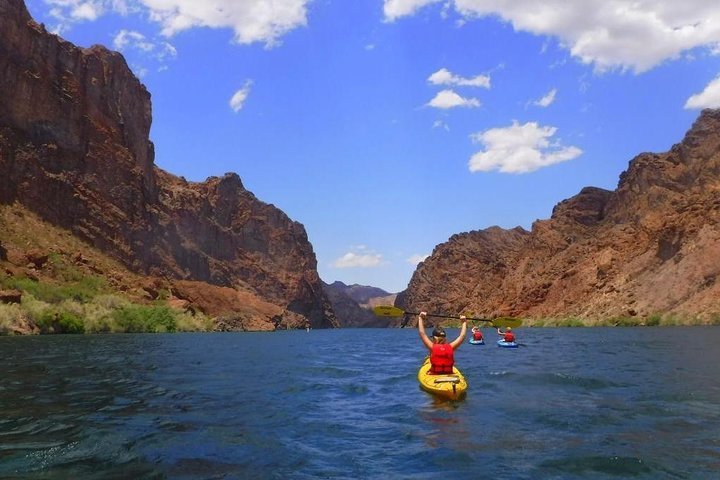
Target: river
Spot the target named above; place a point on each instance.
(569, 403)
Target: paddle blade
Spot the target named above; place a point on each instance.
(388, 311)
(505, 322)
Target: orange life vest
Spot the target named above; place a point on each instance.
(441, 359)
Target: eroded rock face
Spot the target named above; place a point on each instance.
(75, 149)
(650, 247)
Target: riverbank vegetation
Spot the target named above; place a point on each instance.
(87, 305)
(64, 285)
(654, 320)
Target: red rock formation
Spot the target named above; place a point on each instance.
(75, 149)
(650, 247)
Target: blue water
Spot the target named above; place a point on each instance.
(569, 403)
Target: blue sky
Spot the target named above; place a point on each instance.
(385, 127)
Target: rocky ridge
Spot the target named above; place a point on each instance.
(649, 248)
(75, 150)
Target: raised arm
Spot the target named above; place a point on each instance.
(421, 330)
(463, 330)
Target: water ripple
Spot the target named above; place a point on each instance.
(605, 403)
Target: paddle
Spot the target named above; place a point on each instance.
(390, 311)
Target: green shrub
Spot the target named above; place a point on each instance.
(9, 315)
(82, 290)
(65, 271)
(653, 320)
(570, 322)
(79, 308)
(141, 318)
(187, 322)
(111, 302)
(164, 294)
(626, 321)
(672, 321)
(53, 321)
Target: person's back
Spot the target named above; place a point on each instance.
(442, 358)
(477, 335)
(508, 335)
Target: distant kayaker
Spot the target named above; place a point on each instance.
(477, 334)
(441, 353)
(508, 335)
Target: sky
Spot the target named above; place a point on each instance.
(387, 126)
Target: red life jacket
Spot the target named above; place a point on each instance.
(441, 359)
(477, 335)
(509, 337)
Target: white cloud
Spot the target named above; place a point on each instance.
(166, 50)
(67, 12)
(139, 70)
(519, 149)
(708, 98)
(394, 9)
(264, 21)
(609, 34)
(444, 77)
(132, 39)
(252, 21)
(417, 258)
(441, 124)
(361, 259)
(449, 99)
(161, 51)
(547, 100)
(238, 99)
(87, 11)
(121, 7)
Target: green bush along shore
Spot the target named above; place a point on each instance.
(84, 304)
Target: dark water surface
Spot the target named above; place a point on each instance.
(572, 403)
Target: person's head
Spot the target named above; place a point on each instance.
(508, 329)
(438, 335)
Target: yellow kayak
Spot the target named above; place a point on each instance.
(452, 386)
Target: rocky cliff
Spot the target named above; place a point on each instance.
(650, 248)
(75, 150)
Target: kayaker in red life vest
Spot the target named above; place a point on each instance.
(508, 335)
(441, 353)
(476, 334)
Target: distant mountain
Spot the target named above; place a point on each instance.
(352, 304)
(364, 295)
(644, 253)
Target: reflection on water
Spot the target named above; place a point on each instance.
(603, 403)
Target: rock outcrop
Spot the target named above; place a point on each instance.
(353, 304)
(651, 247)
(75, 150)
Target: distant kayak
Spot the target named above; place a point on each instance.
(504, 344)
(477, 342)
(451, 386)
